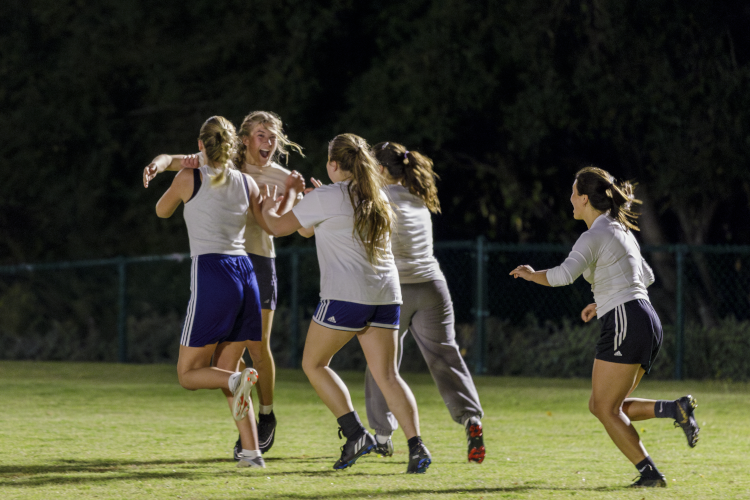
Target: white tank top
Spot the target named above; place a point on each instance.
(216, 216)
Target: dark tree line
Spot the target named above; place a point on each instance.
(509, 98)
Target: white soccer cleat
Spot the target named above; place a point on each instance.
(241, 403)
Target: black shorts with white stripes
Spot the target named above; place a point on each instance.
(631, 333)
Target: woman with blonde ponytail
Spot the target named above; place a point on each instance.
(360, 295)
(223, 317)
(427, 309)
(610, 259)
(261, 142)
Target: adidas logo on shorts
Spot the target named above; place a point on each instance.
(618, 353)
(332, 320)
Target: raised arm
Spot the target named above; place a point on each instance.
(179, 192)
(168, 162)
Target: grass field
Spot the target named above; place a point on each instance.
(79, 431)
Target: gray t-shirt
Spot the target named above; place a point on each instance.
(216, 216)
(345, 272)
(412, 238)
(610, 259)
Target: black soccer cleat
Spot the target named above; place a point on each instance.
(650, 482)
(353, 449)
(238, 449)
(475, 439)
(419, 459)
(384, 449)
(686, 419)
(266, 431)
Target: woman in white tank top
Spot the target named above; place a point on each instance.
(224, 316)
(261, 142)
(608, 256)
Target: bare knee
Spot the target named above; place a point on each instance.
(255, 349)
(603, 410)
(310, 366)
(185, 381)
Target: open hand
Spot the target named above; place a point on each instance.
(316, 184)
(149, 173)
(523, 271)
(295, 181)
(271, 201)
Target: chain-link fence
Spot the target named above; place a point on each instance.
(131, 309)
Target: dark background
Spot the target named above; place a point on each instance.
(509, 98)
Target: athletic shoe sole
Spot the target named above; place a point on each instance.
(686, 419)
(241, 402)
(475, 437)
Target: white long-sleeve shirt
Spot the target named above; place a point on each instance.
(610, 259)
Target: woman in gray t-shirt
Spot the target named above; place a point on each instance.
(427, 309)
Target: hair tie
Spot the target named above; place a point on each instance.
(406, 157)
(384, 145)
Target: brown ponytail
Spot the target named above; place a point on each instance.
(607, 195)
(373, 215)
(412, 169)
(220, 143)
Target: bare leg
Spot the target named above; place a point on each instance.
(639, 409)
(321, 344)
(379, 346)
(227, 357)
(263, 362)
(611, 384)
(194, 369)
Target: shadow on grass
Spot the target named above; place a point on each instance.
(436, 492)
(60, 471)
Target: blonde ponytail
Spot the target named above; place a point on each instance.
(220, 142)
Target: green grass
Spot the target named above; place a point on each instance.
(79, 431)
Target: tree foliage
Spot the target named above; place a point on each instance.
(509, 98)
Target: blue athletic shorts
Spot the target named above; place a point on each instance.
(224, 303)
(353, 317)
(631, 333)
(265, 273)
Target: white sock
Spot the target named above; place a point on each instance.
(265, 409)
(381, 439)
(250, 453)
(234, 381)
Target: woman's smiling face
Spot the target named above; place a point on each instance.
(261, 145)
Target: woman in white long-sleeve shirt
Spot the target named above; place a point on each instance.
(608, 257)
